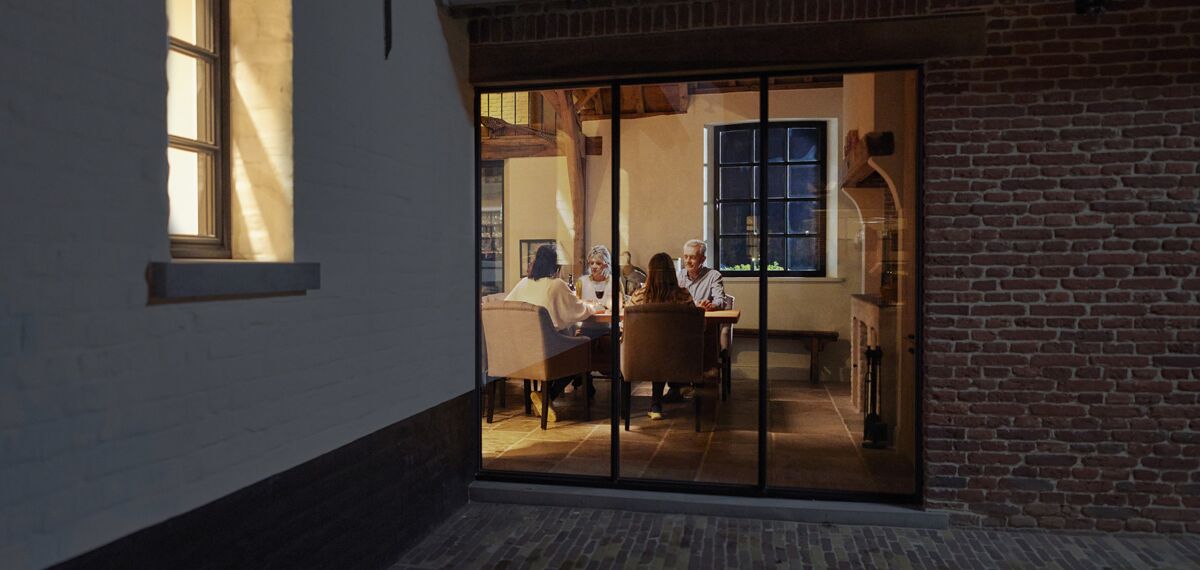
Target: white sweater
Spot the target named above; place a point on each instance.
(552, 293)
(587, 290)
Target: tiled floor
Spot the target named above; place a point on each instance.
(483, 535)
(814, 440)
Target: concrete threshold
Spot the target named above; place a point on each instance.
(820, 512)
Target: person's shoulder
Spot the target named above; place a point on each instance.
(716, 274)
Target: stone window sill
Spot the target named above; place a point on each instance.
(206, 280)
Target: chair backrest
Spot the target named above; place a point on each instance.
(663, 342)
(521, 341)
(491, 298)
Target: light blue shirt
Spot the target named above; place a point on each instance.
(707, 285)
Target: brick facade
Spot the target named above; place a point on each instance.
(1062, 325)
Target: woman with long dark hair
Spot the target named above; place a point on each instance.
(662, 286)
(543, 288)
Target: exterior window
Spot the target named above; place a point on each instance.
(796, 176)
(197, 128)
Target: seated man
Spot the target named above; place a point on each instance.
(707, 289)
(704, 283)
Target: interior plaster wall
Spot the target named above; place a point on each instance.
(662, 192)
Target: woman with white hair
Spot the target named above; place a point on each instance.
(597, 286)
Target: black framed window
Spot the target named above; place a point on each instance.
(197, 128)
(491, 227)
(796, 180)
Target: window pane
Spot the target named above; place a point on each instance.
(776, 214)
(804, 181)
(738, 146)
(738, 218)
(777, 145)
(735, 254)
(189, 97)
(802, 254)
(776, 254)
(804, 144)
(189, 189)
(802, 217)
(777, 181)
(491, 228)
(738, 183)
(190, 21)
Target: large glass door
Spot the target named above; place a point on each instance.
(745, 245)
(545, 267)
(685, 184)
(841, 209)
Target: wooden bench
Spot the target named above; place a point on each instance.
(815, 341)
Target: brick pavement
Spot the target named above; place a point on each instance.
(485, 535)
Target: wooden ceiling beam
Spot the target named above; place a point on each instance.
(528, 146)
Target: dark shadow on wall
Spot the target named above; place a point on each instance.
(458, 45)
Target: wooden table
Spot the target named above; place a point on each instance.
(713, 321)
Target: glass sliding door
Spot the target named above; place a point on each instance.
(688, 228)
(545, 269)
(759, 235)
(834, 219)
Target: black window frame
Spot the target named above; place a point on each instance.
(820, 201)
(500, 250)
(217, 246)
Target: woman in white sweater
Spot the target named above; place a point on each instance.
(544, 289)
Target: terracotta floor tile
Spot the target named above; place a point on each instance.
(814, 439)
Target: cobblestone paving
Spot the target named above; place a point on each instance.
(516, 536)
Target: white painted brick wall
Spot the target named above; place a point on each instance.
(115, 415)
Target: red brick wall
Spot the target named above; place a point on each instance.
(1062, 351)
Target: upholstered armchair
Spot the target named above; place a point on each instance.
(522, 343)
(662, 342)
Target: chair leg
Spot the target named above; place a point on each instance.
(587, 389)
(696, 398)
(545, 403)
(491, 400)
(628, 395)
(528, 403)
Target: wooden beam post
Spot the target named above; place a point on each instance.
(571, 142)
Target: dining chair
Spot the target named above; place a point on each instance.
(727, 352)
(663, 342)
(490, 381)
(522, 343)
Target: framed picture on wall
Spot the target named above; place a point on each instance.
(529, 249)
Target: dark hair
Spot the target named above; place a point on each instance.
(661, 283)
(545, 262)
